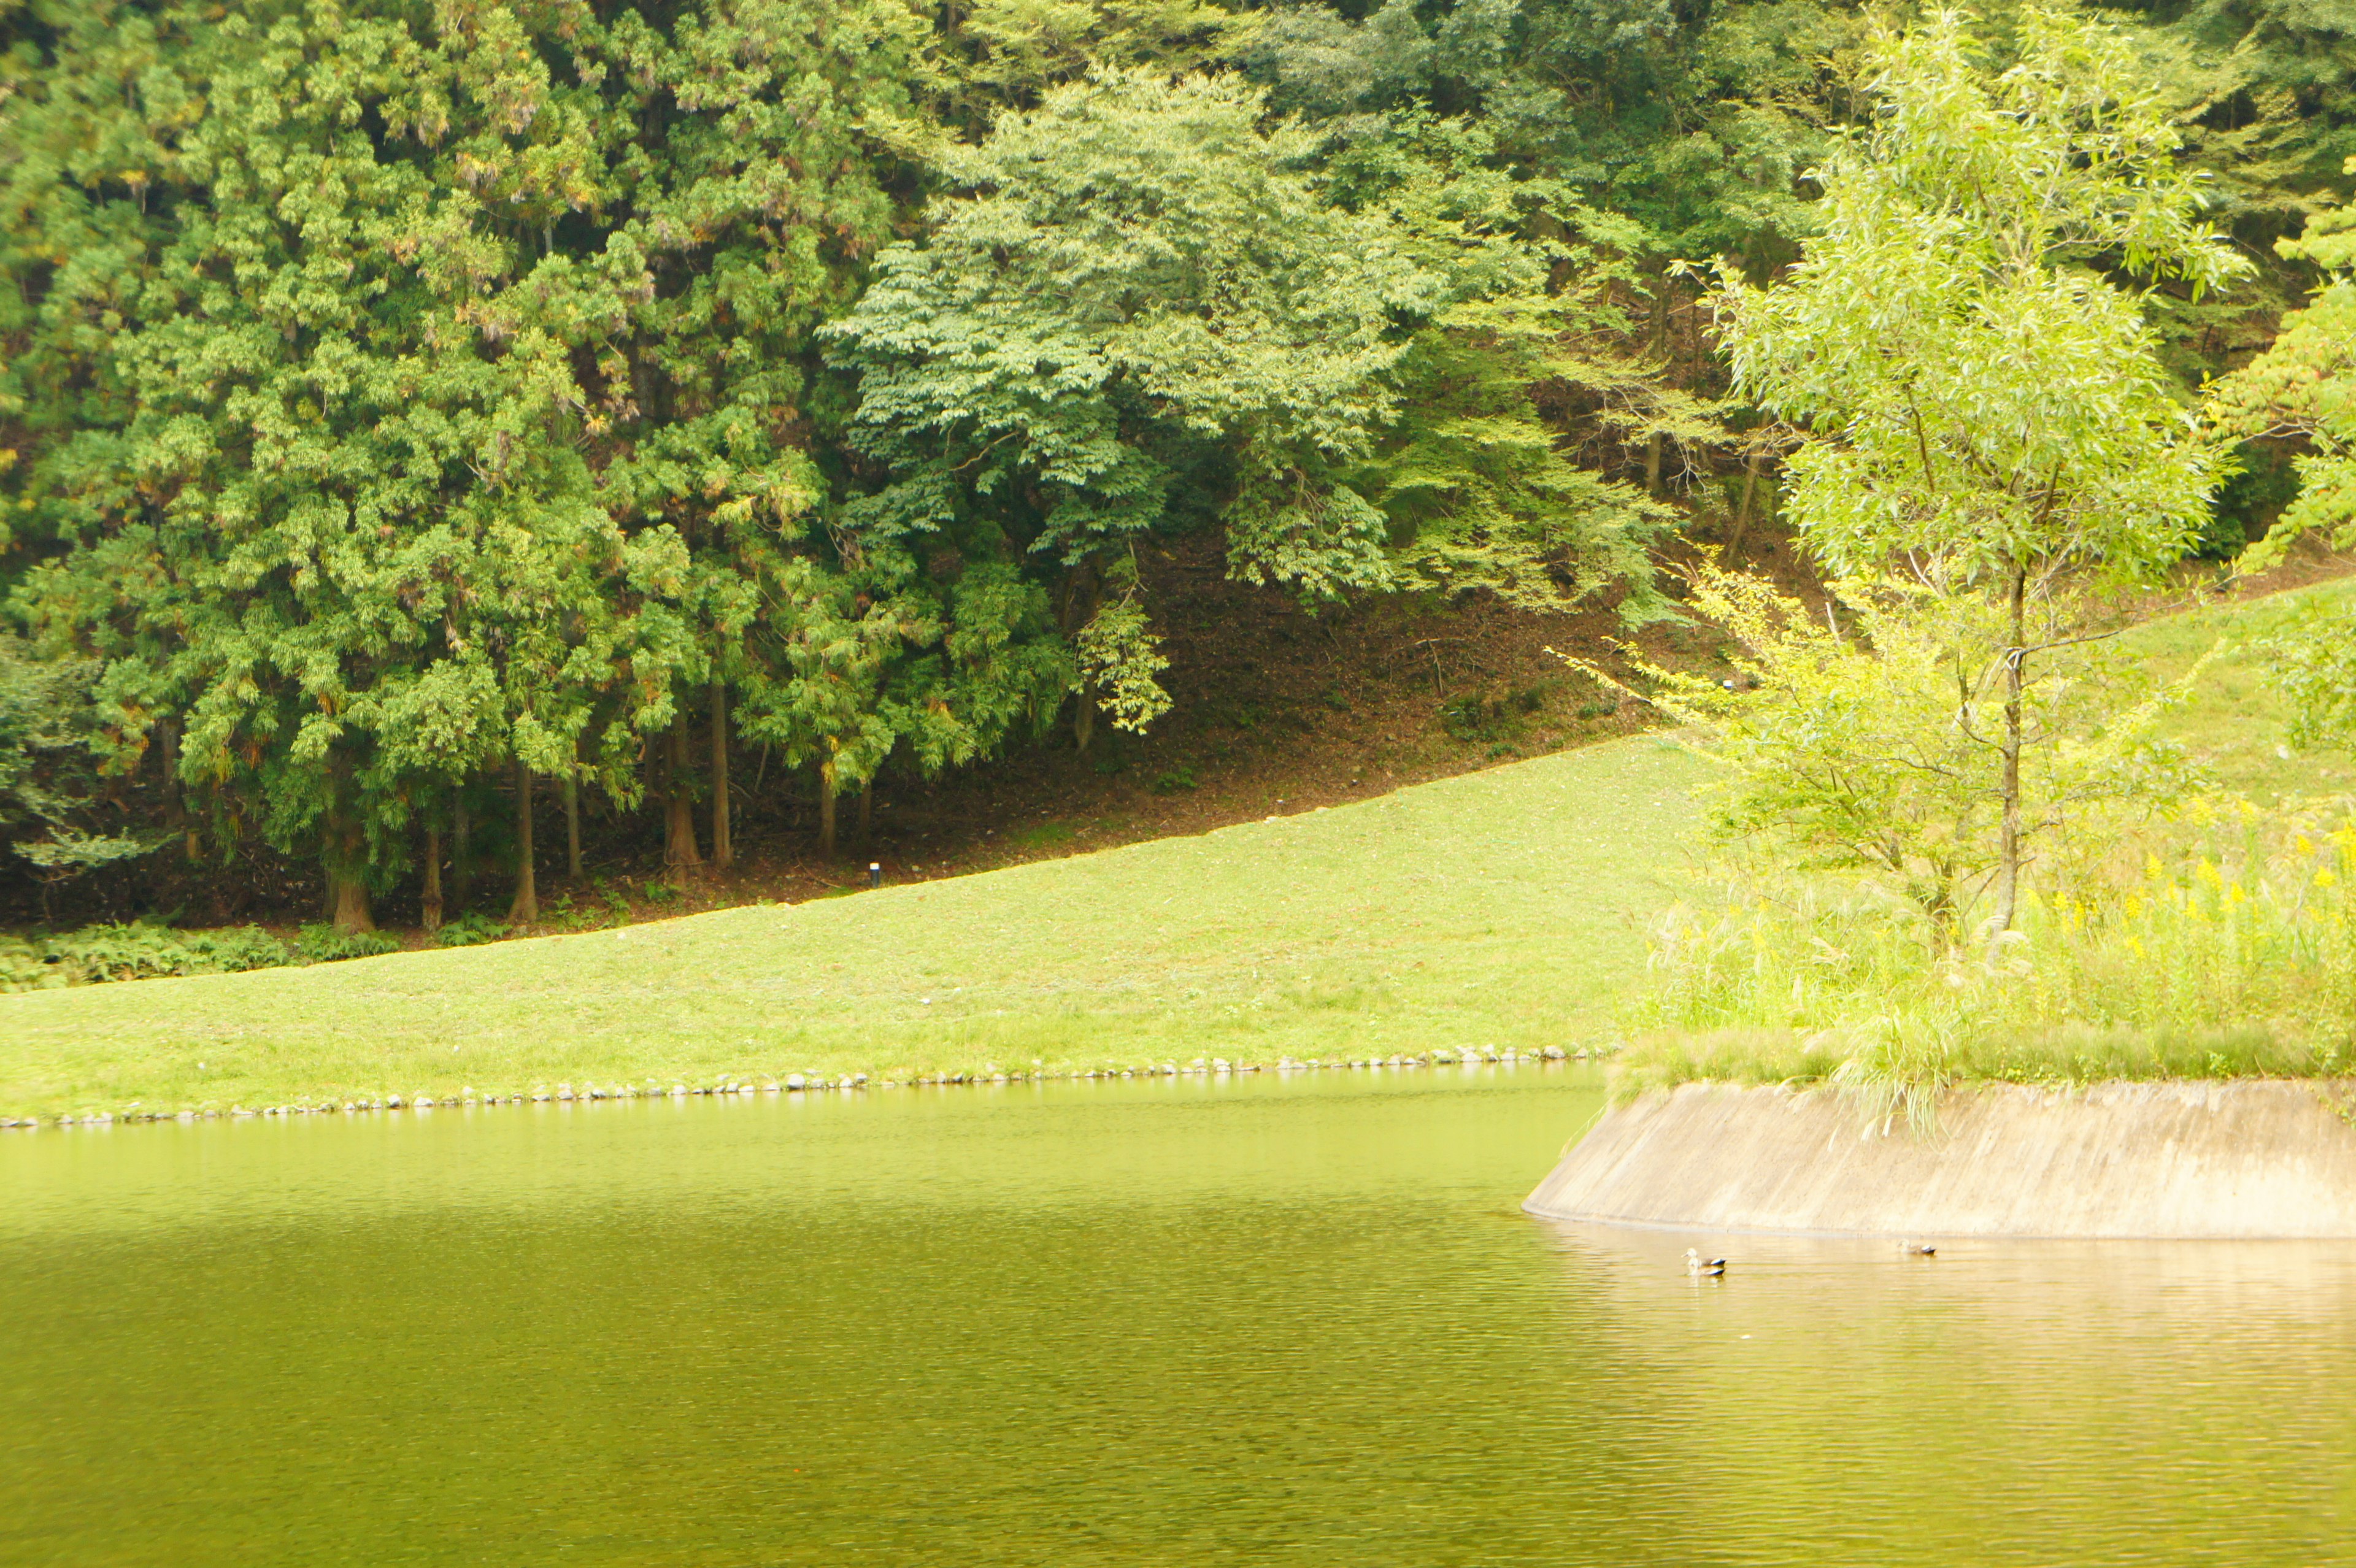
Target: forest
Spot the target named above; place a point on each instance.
(420, 420)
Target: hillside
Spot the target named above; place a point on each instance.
(1496, 909)
(1501, 908)
(1273, 708)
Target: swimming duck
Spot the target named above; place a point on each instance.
(1701, 1267)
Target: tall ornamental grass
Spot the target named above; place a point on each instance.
(2216, 941)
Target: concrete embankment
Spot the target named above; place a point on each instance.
(2246, 1160)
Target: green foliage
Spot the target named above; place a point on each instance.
(137, 951)
(412, 390)
(1971, 393)
(1471, 478)
(1138, 285)
(1867, 741)
(617, 903)
(469, 930)
(1007, 51)
(49, 741)
(1118, 657)
(2304, 387)
(2315, 667)
(1697, 122)
(2273, 92)
(323, 943)
(1150, 310)
(2262, 481)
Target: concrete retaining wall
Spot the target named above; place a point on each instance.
(2249, 1159)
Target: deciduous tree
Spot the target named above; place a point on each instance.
(1984, 410)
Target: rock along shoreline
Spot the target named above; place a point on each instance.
(759, 1083)
(2176, 1159)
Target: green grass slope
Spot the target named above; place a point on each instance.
(1499, 908)
(1496, 909)
(2235, 718)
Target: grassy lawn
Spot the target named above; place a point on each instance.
(1499, 908)
(2236, 716)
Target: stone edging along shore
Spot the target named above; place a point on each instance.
(791, 1083)
(2246, 1158)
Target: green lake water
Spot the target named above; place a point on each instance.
(1257, 1320)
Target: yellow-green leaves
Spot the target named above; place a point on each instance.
(1118, 657)
(1973, 391)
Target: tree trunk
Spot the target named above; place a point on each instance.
(176, 798)
(348, 900)
(1083, 594)
(679, 831)
(723, 854)
(2016, 658)
(826, 808)
(430, 905)
(462, 824)
(1660, 347)
(168, 759)
(345, 857)
(1743, 512)
(526, 908)
(572, 829)
(866, 812)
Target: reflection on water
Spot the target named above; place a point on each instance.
(1252, 1322)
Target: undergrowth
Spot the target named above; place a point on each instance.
(134, 951)
(139, 950)
(2218, 940)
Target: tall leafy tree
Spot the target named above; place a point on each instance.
(1153, 308)
(1140, 308)
(1979, 406)
(398, 408)
(321, 472)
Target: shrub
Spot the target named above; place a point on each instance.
(136, 951)
(141, 951)
(323, 943)
(470, 930)
(24, 966)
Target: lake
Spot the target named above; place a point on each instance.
(1262, 1319)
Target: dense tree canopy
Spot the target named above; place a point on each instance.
(406, 401)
